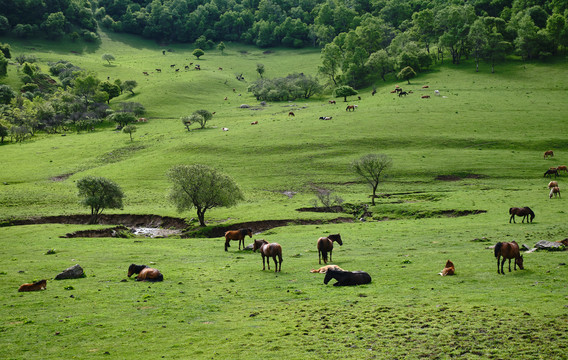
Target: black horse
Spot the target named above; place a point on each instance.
(525, 212)
(347, 278)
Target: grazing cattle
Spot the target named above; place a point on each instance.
(525, 212)
(225, 129)
(323, 269)
(163, 52)
(555, 191)
(551, 171)
(449, 269)
(272, 250)
(325, 245)
(237, 235)
(548, 153)
(173, 65)
(347, 278)
(186, 67)
(425, 96)
(234, 90)
(331, 101)
(144, 72)
(437, 92)
(190, 63)
(562, 168)
(291, 114)
(402, 93)
(552, 184)
(220, 68)
(350, 108)
(254, 122)
(158, 70)
(508, 250)
(37, 286)
(425, 87)
(145, 273)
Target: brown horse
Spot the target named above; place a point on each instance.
(325, 245)
(548, 153)
(449, 269)
(237, 235)
(145, 273)
(555, 191)
(562, 168)
(525, 212)
(551, 171)
(37, 286)
(291, 113)
(350, 108)
(508, 250)
(269, 250)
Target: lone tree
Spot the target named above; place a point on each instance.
(198, 53)
(186, 121)
(260, 69)
(370, 167)
(99, 193)
(201, 187)
(406, 74)
(129, 129)
(201, 117)
(122, 118)
(345, 91)
(221, 47)
(108, 57)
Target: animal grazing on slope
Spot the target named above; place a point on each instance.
(254, 122)
(145, 273)
(291, 113)
(554, 192)
(350, 108)
(272, 250)
(220, 68)
(237, 235)
(449, 269)
(552, 184)
(548, 153)
(508, 250)
(331, 101)
(402, 93)
(525, 212)
(173, 65)
(225, 129)
(37, 286)
(551, 171)
(425, 97)
(437, 92)
(323, 269)
(145, 72)
(425, 87)
(159, 70)
(186, 67)
(562, 168)
(325, 245)
(347, 278)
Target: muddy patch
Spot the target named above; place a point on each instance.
(129, 220)
(61, 177)
(331, 209)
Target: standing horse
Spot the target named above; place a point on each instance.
(269, 250)
(508, 250)
(524, 212)
(350, 108)
(548, 153)
(237, 235)
(145, 273)
(347, 278)
(325, 245)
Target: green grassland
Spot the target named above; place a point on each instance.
(488, 130)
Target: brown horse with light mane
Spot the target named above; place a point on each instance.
(267, 250)
(449, 269)
(325, 245)
(145, 273)
(37, 286)
(525, 212)
(508, 250)
(350, 108)
(323, 269)
(555, 191)
(237, 235)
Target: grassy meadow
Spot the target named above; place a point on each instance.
(486, 131)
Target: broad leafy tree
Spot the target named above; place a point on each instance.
(202, 117)
(203, 188)
(108, 58)
(99, 194)
(371, 167)
(332, 58)
(345, 91)
(478, 37)
(129, 129)
(406, 74)
(198, 53)
(380, 63)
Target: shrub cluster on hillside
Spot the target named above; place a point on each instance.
(291, 87)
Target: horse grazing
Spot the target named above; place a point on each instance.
(159, 70)
(325, 245)
(552, 184)
(524, 212)
(145, 273)
(548, 153)
(562, 168)
(269, 250)
(347, 278)
(291, 113)
(449, 269)
(324, 269)
(402, 93)
(331, 101)
(350, 108)
(237, 235)
(549, 172)
(554, 192)
(37, 286)
(508, 250)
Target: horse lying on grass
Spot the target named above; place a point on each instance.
(347, 278)
(449, 269)
(324, 269)
(37, 286)
(145, 273)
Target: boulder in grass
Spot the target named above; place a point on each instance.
(549, 245)
(74, 272)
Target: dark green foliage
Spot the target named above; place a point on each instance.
(6, 94)
(3, 133)
(5, 49)
(344, 92)
(3, 65)
(291, 87)
(122, 118)
(99, 194)
(203, 188)
(201, 117)
(111, 89)
(198, 53)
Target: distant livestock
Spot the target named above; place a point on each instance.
(186, 67)
(551, 171)
(37, 286)
(145, 72)
(225, 129)
(562, 168)
(158, 70)
(237, 235)
(402, 93)
(325, 245)
(325, 117)
(555, 191)
(548, 153)
(173, 65)
(291, 113)
(425, 87)
(449, 269)
(552, 184)
(324, 269)
(142, 120)
(425, 96)
(508, 250)
(220, 68)
(350, 108)
(437, 92)
(254, 122)
(331, 101)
